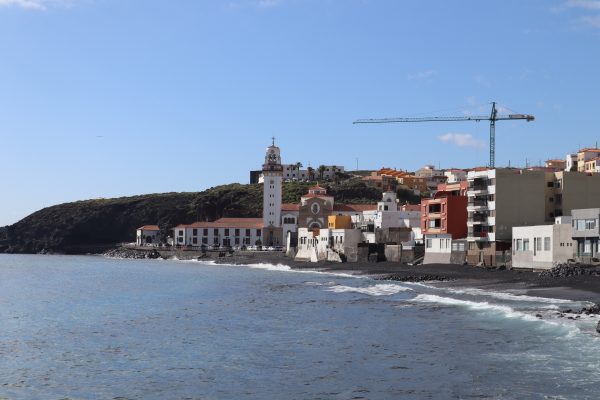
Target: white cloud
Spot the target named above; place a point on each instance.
(269, 3)
(462, 140)
(584, 4)
(423, 75)
(592, 20)
(30, 4)
(37, 4)
(482, 80)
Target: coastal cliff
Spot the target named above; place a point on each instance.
(93, 226)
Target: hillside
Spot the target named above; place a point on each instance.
(94, 225)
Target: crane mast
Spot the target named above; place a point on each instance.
(493, 117)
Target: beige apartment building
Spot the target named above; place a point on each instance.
(502, 198)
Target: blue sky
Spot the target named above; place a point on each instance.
(105, 98)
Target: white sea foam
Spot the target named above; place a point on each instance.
(474, 305)
(384, 289)
(286, 268)
(507, 296)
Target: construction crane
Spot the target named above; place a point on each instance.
(493, 117)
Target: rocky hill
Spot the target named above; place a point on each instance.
(96, 225)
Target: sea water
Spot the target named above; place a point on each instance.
(96, 328)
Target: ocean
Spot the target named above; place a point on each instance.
(95, 328)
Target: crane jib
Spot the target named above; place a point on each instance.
(493, 117)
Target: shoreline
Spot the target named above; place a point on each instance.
(575, 288)
(524, 282)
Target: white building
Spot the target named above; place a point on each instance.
(389, 216)
(571, 162)
(224, 232)
(455, 175)
(290, 172)
(147, 235)
(442, 249)
(328, 244)
(542, 246)
(438, 248)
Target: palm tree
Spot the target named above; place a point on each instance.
(298, 166)
(311, 174)
(322, 169)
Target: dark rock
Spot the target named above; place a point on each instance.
(598, 327)
(538, 316)
(414, 278)
(567, 270)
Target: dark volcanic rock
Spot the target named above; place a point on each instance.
(414, 278)
(135, 254)
(568, 270)
(598, 328)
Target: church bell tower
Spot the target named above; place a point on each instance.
(273, 180)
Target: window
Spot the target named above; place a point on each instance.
(429, 243)
(590, 224)
(204, 240)
(525, 244)
(205, 232)
(587, 248)
(194, 232)
(216, 232)
(237, 233)
(538, 244)
(442, 243)
(216, 241)
(519, 244)
(546, 244)
(258, 233)
(580, 223)
(180, 233)
(550, 184)
(227, 232)
(195, 241)
(237, 240)
(248, 232)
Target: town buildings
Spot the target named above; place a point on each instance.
(542, 246)
(446, 212)
(224, 232)
(502, 198)
(293, 172)
(147, 235)
(586, 233)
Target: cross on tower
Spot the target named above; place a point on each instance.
(273, 140)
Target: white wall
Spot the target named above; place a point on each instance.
(542, 246)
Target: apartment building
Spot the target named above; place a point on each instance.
(498, 200)
(446, 212)
(503, 198)
(585, 155)
(586, 233)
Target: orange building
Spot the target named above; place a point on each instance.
(446, 212)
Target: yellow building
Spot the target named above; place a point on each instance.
(339, 222)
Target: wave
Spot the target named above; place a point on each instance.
(508, 296)
(569, 327)
(384, 289)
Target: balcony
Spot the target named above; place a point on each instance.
(477, 190)
(478, 219)
(480, 205)
(478, 236)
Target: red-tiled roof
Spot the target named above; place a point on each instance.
(355, 207)
(256, 223)
(590, 149)
(317, 187)
(312, 195)
(149, 228)
(290, 207)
